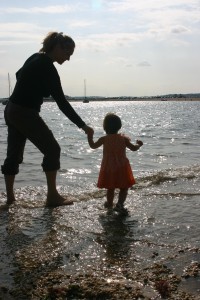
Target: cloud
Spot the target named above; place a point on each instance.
(144, 64)
(118, 60)
(18, 33)
(81, 23)
(179, 29)
(17, 27)
(156, 15)
(54, 9)
(129, 65)
(151, 5)
(105, 41)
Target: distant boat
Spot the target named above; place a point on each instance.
(9, 86)
(86, 100)
(5, 101)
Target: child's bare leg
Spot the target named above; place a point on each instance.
(9, 181)
(53, 197)
(110, 198)
(122, 196)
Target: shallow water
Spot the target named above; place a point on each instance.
(164, 218)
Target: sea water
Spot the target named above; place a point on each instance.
(164, 211)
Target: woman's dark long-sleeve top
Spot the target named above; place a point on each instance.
(39, 78)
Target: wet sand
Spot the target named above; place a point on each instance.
(85, 252)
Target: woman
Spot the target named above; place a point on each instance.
(36, 79)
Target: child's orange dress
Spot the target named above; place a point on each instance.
(115, 171)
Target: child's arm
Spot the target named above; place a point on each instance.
(93, 144)
(133, 147)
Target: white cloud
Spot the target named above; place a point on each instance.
(107, 41)
(17, 26)
(54, 9)
(118, 60)
(151, 5)
(81, 23)
(19, 33)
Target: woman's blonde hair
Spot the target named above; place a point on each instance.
(54, 38)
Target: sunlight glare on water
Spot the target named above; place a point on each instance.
(163, 221)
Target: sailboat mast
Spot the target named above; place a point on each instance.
(85, 88)
(9, 85)
(85, 100)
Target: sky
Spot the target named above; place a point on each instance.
(123, 47)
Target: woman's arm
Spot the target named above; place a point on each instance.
(56, 91)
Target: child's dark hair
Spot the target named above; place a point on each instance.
(112, 123)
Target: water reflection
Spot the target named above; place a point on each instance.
(117, 236)
(32, 245)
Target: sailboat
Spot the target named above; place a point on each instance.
(86, 100)
(9, 86)
(5, 101)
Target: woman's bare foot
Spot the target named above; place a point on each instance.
(58, 200)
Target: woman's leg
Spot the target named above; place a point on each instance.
(15, 150)
(9, 181)
(53, 197)
(47, 144)
(31, 126)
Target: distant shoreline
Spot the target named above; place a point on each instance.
(112, 99)
(136, 99)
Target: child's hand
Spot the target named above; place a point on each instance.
(140, 143)
(90, 133)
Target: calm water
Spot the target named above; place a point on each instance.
(164, 214)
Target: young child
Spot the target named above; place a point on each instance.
(115, 172)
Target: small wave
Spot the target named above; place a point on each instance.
(179, 194)
(75, 171)
(35, 196)
(158, 177)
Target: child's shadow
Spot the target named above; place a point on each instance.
(117, 235)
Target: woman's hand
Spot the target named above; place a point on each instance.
(88, 130)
